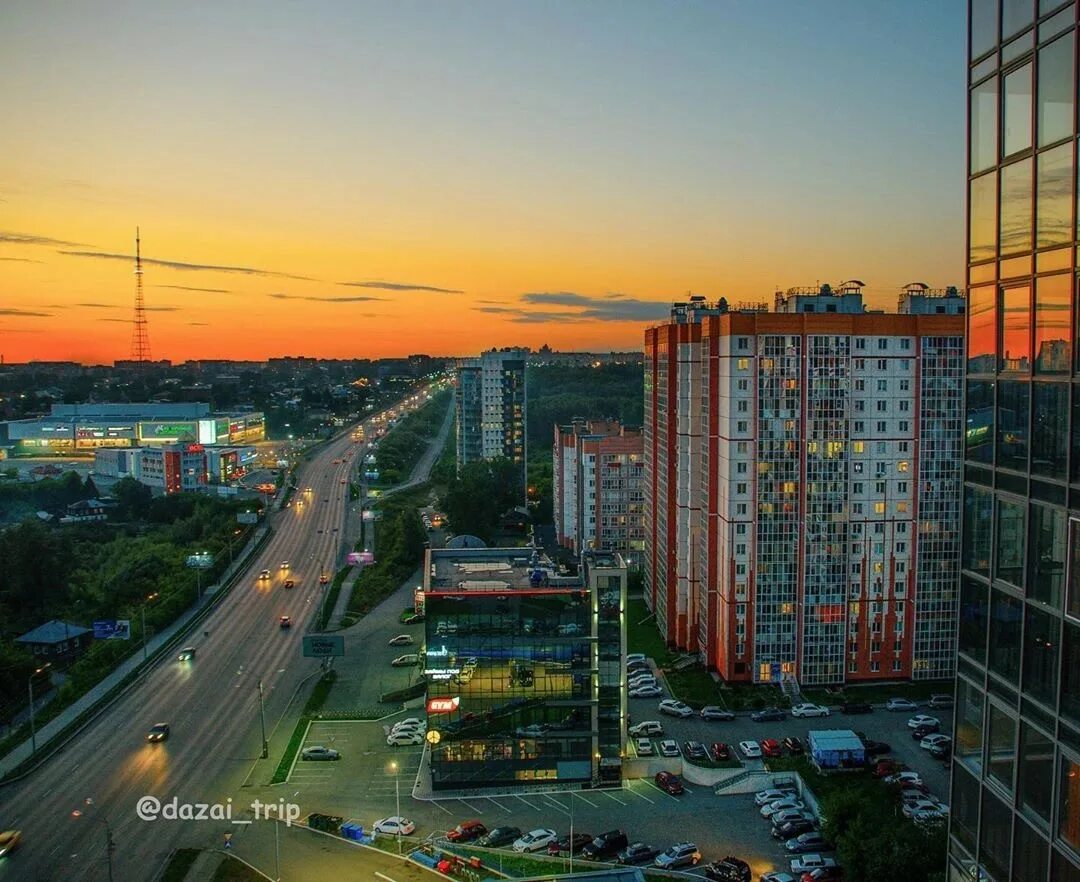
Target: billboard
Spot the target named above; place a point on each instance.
(202, 560)
(247, 517)
(112, 629)
(443, 705)
(323, 646)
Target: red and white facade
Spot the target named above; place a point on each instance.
(173, 468)
(809, 527)
(599, 487)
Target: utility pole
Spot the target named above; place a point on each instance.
(262, 719)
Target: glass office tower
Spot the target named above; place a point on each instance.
(1016, 770)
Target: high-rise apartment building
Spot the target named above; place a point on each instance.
(490, 406)
(1016, 770)
(818, 462)
(598, 487)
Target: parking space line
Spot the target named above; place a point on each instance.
(583, 799)
(529, 804)
(609, 796)
(555, 804)
(472, 807)
(438, 804)
(632, 791)
(499, 804)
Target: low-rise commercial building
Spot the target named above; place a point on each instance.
(524, 669)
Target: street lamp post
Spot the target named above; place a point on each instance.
(142, 611)
(262, 720)
(30, 686)
(397, 800)
(110, 845)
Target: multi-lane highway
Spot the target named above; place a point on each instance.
(210, 703)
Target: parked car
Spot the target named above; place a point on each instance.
(720, 751)
(713, 712)
(401, 640)
(637, 853)
(941, 701)
(682, 854)
(764, 797)
(605, 846)
(395, 826)
(807, 842)
(875, 748)
(499, 836)
(406, 661)
(669, 782)
(779, 819)
(778, 876)
(809, 710)
(568, 844)
(646, 691)
(646, 727)
(412, 619)
(900, 704)
(807, 863)
(535, 840)
(750, 749)
(644, 747)
(669, 748)
(467, 831)
(768, 715)
(904, 779)
(823, 874)
(794, 745)
(781, 805)
(921, 732)
(9, 841)
(674, 708)
(791, 829)
(770, 747)
(404, 739)
(912, 807)
(729, 869)
(923, 720)
(934, 739)
(695, 750)
(318, 752)
(856, 707)
(941, 751)
(884, 768)
(641, 680)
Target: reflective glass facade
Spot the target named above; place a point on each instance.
(524, 683)
(1016, 775)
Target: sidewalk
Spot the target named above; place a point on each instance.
(57, 724)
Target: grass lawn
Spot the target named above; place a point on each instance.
(642, 635)
(694, 686)
(878, 693)
(747, 696)
(179, 864)
(232, 870)
(825, 785)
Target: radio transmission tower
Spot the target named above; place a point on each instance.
(140, 337)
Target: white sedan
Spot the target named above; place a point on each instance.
(535, 840)
(395, 826)
(669, 748)
(931, 740)
(400, 739)
(401, 640)
(923, 720)
(764, 797)
(644, 747)
(809, 710)
(781, 805)
(912, 808)
(647, 691)
(750, 749)
(675, 708)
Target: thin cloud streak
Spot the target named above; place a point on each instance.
(189, 267)
(401, 286)
(10, 238)
(314, 299)
(24, 313)
(202, 290)
(21, 259)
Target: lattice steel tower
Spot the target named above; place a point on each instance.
(140, 337)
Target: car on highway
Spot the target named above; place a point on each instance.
(406, 661)
(809, 710)
(669, 748)
(319, 752)
(290, 583)
(284, 565)
(605, 846)
(466, 831)
(569, 843)
(395, 826)
(637, 853)
(807, 863)
(807, 842)
(770, 747)
(764, 797)
(720, 751)
(323, 578)
(401, 640)
(9, 841)
(923, 720)
(729, 869)
(503, 835)
(186, 654)
(674, 708)
(535, 840)
(264, 575)
(794, 745)
(404, 739)
(900, 704)
(682, 854)
(158, 732)
(750, 749)
(768, 715)
(647, 691)
(714, 712)
(646, 727)
(669, 782)
(285, 622)
(781, 805)
(644, 747)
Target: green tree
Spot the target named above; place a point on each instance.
(133, 499)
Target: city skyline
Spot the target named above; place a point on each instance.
(368, 180)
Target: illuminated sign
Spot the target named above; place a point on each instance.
(442, 652)
(442, 673)
(443, 705)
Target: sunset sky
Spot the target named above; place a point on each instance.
(353, 179)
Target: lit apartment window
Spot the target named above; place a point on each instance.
(902, 466)
(901, 506)
(789, 486)
(744, 364)
(879, 508)
(858, 446)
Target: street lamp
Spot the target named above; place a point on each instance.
(110, 846)
(142, 611)
(30, 686)
(262, 720)
(397, 798)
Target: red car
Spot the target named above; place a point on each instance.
(720, 751)
(771, 747)
(669, 783)
(466, 831)
(289, 583)
(323, 579)
(884, 768)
